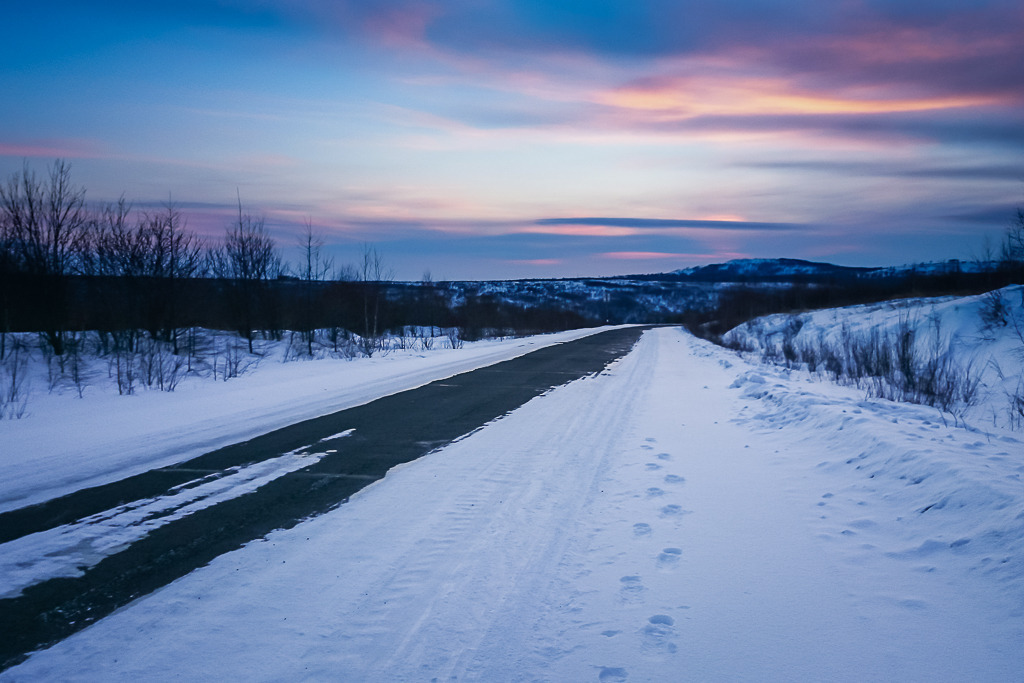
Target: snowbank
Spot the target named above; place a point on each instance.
(959, 329)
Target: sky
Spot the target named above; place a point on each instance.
(486, 139)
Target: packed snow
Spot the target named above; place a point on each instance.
(685, 515)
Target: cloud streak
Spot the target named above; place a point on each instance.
(979, 172)
(51, 149)
(664, 223)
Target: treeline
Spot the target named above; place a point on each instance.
(66, 267)
(130, 276)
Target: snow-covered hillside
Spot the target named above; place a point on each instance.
(781, 269)
(980, 339)
(685, 515)
(755, 269)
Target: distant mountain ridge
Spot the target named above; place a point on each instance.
(799, 270)
(768, 270)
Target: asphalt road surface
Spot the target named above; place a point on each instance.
(387, 432)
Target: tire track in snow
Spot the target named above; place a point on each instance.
(388, 432)
(573, 438)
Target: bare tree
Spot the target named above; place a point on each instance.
(175, 254)
(7, 273)
(46, 219)
(313, 267)
(1013, 243)
(372, 274)
(46, 224)
(145, 258)
(248, 259)
(114, 250)
(1013, 258)
(117, 256)
(431, 303)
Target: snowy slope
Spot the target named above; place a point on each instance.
(943, 326)
(684, 516)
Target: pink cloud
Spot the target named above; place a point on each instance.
(583, 230)
(668, 98)
(51, 149)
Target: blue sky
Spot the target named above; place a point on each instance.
(503, 139)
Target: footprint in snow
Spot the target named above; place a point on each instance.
(912, 604)
(664, 456)
(651, 466)
(669, 557)
(657, 634)
(672, 511)
(655, 491)
(674, 479)
(641, 529)
(612, 674)
(632, 589)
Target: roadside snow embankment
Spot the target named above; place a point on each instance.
(964, 355)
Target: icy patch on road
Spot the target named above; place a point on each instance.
(339, 435)
(70, 549)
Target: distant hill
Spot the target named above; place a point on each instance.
(937, 268)
(800, 271)
(768, 270)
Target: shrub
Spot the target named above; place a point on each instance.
(889, 365)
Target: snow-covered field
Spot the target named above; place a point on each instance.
(686, 515)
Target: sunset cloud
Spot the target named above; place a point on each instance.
(663, 223)
(698, 97)
(51, 149)
(581, 229)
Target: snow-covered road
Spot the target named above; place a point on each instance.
(652, 523)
